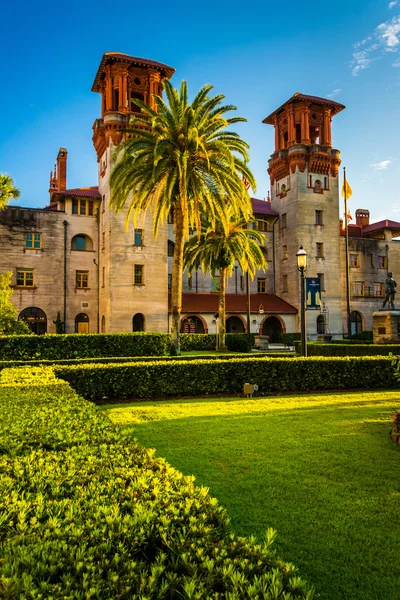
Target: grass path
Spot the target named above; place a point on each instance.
(319, 469)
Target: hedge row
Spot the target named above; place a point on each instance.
(318, 349)
(5, 364)
(53, 346)
(89, 513)
(207, 341)
(161, 379)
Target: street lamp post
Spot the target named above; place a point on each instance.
(302, 267)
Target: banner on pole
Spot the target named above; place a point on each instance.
(313, 293)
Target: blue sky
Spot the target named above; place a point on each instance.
(256, 53)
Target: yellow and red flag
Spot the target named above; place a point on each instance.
(346, 190)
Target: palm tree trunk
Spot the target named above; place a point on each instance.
(222, 309)
(176, 284)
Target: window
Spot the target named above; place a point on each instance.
(358, 288)
(136, 96)
(35, 318)
(261, 286)
(103, 274)
(318, 217)
(242, 282)
(283, 221)
(261, 225)
(283, 190)
(171, 217)
(138, 276)
(320, 325)
(169, 281)
(354, 260)
(355, 322)
(190, 281)
(138, 322)
(284, 252)
(171, 248)
(284, 283)
(82, 207)
(382, 262)
(25, 277)
(378, 289)
(326, 183)
(215, 283)
(138, 237)
(81, 242)
(310, 181)
(319, 253)
(321, 277)
(317, 187)
(82, 279)
(33, 240)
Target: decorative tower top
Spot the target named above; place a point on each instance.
(58, 177)
(303, 136)
(120, 79)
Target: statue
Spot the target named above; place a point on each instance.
(390, 291)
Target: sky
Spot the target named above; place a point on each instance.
(258, 54)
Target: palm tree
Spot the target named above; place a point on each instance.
(181, 157)
(217, 249)
(7, 190)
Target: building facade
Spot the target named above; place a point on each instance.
(76, 257)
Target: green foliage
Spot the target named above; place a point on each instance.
(9, 325)
(239, 342)
(160, 379)
(87, 512)
(207, 341)
(318, 349)
(290, 338)
(364, 335)
(59, 323)
(7, 190)
(53, 346)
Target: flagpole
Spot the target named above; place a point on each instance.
(347, 254)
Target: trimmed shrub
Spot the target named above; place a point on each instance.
(89, 513)
(318, 349)
(239, 342)
(54, 346)
(208, 341)
(290, 338)
(366, 335)
(160, 379)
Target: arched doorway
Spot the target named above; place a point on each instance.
(272, 327)
(321, 325)
(192, 324)
(138, 322)
(82, 323)
(234, 324)
(355, 322)
(36, 319)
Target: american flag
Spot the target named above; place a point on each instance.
(246, 183)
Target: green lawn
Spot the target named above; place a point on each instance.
(320, 469)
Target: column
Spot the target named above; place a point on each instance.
(121, 102)
(291, 127)
(276, 126)
(327, 127)
(305, 127)
(108, 91)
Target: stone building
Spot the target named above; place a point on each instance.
(77, 257)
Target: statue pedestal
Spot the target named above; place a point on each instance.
(386, 326)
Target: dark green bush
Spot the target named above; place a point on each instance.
(160, 379)
(207, 341)
(290, 338)
(366, 335)
(54, 346)
(239, 342)
(87, 512)
(318, 349)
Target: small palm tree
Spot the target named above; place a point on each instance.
(217, 250)
(7, 190)
(182, 158)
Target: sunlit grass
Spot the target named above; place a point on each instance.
(320, 469)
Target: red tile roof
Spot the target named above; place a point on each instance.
(298, 97)
(235, 303)
(386, 224)
(262, 207)
(87, 192)
(141, 62)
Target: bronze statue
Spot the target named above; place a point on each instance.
(390, 291)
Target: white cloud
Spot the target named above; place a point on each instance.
(385, 38)
(392, 4)
(380, 166)
(334, 93)
(396, 207)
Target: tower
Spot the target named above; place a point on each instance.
(58, 177)
(133, 267)
(304, 191)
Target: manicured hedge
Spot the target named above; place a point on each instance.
(53, 346)
(87, 512)
(318, 349)
(207, 341)
(160, 379)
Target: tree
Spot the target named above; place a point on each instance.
(9, 325)
(217, 249)
(7, 190)
(182, 158)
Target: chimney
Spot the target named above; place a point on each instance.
(362, 217)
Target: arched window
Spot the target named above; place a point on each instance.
(35, 318)
(321, 325)
(283, 190)
(81, 242)
(355, 322)
(138, 322)
(171, 248)
(318, 186)
(192, 324)
(82, 323)
(103, 324)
